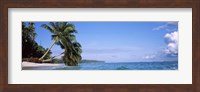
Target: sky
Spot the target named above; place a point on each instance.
(120, 41)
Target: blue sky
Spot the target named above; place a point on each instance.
(121, 41)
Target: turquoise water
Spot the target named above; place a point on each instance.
(124, 66)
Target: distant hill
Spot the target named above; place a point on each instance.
(92, 61)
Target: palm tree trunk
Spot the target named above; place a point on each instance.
(48, 50)
(57, 55)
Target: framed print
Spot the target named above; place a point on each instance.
(90, 45)
(151, 50)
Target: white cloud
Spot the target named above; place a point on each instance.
(160, 27)
(171, 40)
(166, 26)
(149, 57)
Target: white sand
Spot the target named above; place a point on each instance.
(39, 66)
(30, 64)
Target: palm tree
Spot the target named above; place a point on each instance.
(29, 30)
(73, 54)
(28, 36)
(63, 35)
(55, 40)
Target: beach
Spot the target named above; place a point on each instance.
(168, 65)
(40, 66)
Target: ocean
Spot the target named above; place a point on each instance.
(168, 65)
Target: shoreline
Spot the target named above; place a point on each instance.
(40, 66)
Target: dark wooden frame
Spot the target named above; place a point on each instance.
(194, 4)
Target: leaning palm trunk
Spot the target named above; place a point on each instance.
(57, 55)
(51, 59)
(47, 50)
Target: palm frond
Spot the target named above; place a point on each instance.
(63, 26)
(52, 25)
(54, 37)
(71, 37)
(73, 31)
(76, 44)
(48, 28)
(60, 44)
(57, 26)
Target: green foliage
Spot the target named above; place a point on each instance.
(40, 51)
(57, 61)
(30, 48)
(64, 34)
